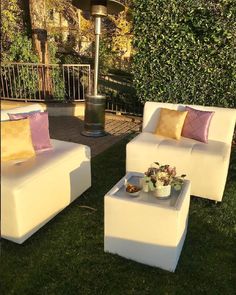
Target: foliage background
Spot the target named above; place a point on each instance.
(185, 51)
(15, 44)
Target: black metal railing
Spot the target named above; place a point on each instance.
(66, 83)
(40, 82)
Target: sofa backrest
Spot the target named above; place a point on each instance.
(221, 126)
(21, 109)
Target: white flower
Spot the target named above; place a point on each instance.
(162, 175)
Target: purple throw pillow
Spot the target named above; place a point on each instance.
(39, 129)
(196, 124)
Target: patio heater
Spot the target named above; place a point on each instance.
(95, 103)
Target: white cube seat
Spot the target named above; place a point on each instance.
(35, 190)
(144, 228)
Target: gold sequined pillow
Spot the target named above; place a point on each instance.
(170, 123)
(16, 143)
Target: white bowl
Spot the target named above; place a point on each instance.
(135, 194)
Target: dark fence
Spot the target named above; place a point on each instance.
(66, 83)
(40, 82)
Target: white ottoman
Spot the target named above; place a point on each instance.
(34, 191)
(146, 229)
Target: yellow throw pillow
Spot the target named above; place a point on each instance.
(16, 140)
(170, 123)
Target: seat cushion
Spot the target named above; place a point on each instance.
(147, 148)
(204, 164)
(18, 174)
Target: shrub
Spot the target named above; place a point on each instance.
(20, 50)
(185, 51)
(11, 23)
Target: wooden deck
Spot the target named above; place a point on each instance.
(69, 128)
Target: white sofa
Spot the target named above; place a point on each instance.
(35, 190)
(205, 164)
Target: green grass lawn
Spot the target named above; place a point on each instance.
(66, 256)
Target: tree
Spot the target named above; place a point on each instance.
(61, 15)
(118, 30)
(66, 7)
(39, 36)
(38, 26)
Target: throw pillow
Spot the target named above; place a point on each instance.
(196, 125)
(39, 129)
(170, 123)
(16, 142)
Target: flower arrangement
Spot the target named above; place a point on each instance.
(163, 175)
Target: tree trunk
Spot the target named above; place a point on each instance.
(39, 37)
(39, 33)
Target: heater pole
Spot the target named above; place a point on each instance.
(96, 59)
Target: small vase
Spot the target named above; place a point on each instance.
(146, 187)
(162, 191)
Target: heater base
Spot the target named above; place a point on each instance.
(94, 120)
(94, 133)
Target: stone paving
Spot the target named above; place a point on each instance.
(69, 128)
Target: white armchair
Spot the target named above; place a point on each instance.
(205, 164)
(35, 190)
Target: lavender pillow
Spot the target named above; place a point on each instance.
(39, 129)
(196, 124)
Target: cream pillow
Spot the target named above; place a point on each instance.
(170, 123)
(16, 143)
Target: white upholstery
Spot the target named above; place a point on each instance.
(35, 190)
(206, 165)
(146, 231)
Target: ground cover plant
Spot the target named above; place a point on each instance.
(66, 256)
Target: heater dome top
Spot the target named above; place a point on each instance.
(100, 7)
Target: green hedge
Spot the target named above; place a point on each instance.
(185, 51)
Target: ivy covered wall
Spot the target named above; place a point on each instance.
(185, 51)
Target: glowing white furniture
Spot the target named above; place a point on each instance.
(34, 191)
(144, 228)
(206, 164)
